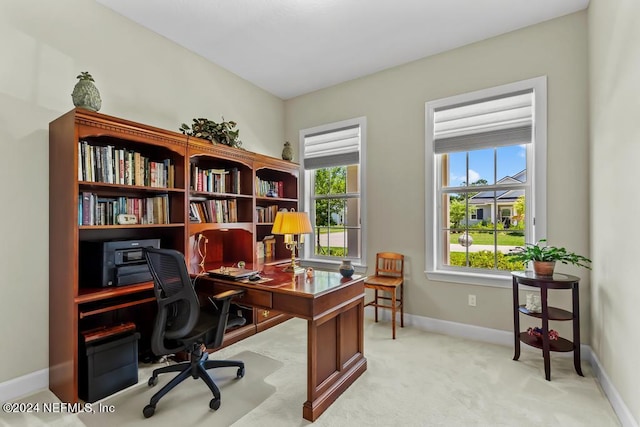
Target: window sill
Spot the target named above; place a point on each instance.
(493, 280)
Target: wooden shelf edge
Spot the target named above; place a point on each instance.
(554, 313)
(197, 227)
(209, 195)
(562, 345)
(274, 199)
(96, 294)
(84, 314)
(103, 185)
(119, 226)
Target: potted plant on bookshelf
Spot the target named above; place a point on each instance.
(223, 132)
(544, 257)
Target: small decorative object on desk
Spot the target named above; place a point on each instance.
(533, 303)
(537, 332)
(287, 152)
(309, 273)
(85, 94)
(346, 269)
(241, 264)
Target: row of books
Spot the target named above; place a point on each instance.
(215, 180)
(113, 165)
(219, 211)
(269, 188)
(99, 210)
(266, 213)
(266, 248)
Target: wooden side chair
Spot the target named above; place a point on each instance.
(388, 279)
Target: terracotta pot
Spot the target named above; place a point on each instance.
(544, 268)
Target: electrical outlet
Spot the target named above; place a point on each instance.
(472, 300)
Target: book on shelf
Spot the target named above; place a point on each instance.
(99, 210)
(113, 165)
(266, 214)
(215, 180)
(214, 210)
(194, 216)
(269, 188)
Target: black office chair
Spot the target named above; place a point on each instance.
(182, 325)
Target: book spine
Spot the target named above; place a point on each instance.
(86, 208)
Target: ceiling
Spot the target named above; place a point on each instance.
(292, 47)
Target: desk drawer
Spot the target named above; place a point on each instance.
(264, 314)
(252, 297)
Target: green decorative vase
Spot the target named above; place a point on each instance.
(85, 94)
(287, 152)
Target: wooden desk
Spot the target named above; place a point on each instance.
(334, 310)
(557, 281)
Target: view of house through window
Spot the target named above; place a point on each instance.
(485, 151)
(475, 239)
(332, 162)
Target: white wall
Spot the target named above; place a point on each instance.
(614, 67)
(141, 77)
(394, 103)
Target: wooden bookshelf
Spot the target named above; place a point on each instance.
(161, 164)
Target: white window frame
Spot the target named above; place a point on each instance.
(536, 206)
(306, 181)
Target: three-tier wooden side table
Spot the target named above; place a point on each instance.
(557, 281)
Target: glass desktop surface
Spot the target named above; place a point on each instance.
(322, 281)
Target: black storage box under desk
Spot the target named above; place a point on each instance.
(110, 365)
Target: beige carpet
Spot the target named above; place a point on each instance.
(420, 379)
(238, 396)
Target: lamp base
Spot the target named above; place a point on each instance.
(294, 269)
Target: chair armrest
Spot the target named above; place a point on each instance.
(231, 293)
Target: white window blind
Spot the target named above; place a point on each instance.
(338, 147)
(491, 122)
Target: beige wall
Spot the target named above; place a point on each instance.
(394, 103)
(614, 66)
(145, 78)
(141, 77)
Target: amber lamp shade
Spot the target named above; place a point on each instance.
(291, 224)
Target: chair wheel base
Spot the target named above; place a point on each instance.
(240, 373)
(213, 404)
(152, 381)
(149, 410)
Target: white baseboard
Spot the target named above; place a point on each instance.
(505, 338)
(26, 384)
(621, 410)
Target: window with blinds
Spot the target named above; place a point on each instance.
(486, 158)
(333, 177)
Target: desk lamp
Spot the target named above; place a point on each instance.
(289, 224)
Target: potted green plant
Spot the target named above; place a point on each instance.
(223, 132)
(544, 257)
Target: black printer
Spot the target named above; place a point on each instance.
(114, 263)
